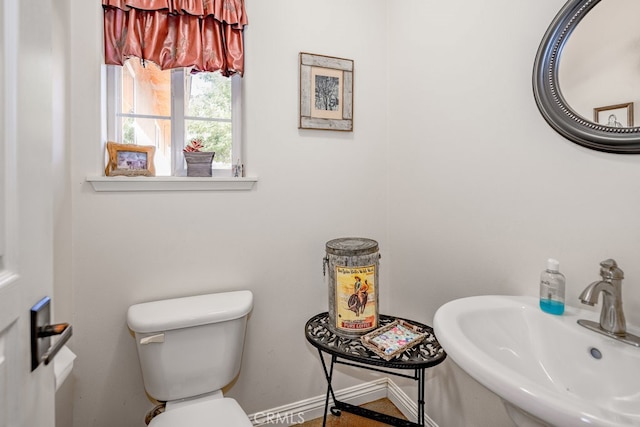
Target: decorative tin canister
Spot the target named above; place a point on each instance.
(352, 263)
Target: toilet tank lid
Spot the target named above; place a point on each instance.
(176, 313)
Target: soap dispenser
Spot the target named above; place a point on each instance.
(552, 284)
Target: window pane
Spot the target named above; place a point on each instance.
(154, 132)
(145, 90)
(215, 136)
(208, 95)
(153, 106)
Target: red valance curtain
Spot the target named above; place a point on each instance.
(204, 34)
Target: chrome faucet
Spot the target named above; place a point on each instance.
(612, 321)
(611, 317)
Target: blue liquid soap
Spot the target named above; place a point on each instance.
(552, 284)
(551, 306)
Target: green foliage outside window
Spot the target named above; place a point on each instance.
(210, 97)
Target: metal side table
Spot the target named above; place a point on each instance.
(350, 351)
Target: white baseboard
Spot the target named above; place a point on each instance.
(308, 409)
(405, 404)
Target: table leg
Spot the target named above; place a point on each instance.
(339, 406)
(420, 374)
(328, 373)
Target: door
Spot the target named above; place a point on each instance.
(26, 228)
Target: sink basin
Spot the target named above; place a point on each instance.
(547, 369)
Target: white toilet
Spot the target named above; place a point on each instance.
(189, 348)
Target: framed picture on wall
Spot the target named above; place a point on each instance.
(130, 160)
(326, 92)
(617, 116)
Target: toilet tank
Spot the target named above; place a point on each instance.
(192, 345)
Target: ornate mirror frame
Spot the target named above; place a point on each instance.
(552, 105)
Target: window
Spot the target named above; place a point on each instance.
(167, 109)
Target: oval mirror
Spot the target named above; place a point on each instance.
(586, 77)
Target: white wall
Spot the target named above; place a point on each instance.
(313, 186)
(483, 189)
(450, 167)
(62, 293)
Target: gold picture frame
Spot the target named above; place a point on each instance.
(130, 160)
(326, 92)
(617, 116)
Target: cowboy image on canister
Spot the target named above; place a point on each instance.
(356, 298)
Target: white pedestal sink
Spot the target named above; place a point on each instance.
(547, 369)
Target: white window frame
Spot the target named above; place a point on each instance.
(113, 121)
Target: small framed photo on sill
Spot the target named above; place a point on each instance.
(326, 92)
(130, 160)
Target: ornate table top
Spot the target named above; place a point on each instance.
(424, 355)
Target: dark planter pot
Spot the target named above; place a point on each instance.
(199, 162)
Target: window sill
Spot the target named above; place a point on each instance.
(170, 183)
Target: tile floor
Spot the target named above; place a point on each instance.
(349, 420)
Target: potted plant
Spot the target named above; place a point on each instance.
(198, 162)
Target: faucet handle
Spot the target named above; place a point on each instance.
(609, 270)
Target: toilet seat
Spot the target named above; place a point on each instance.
(224, 412)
